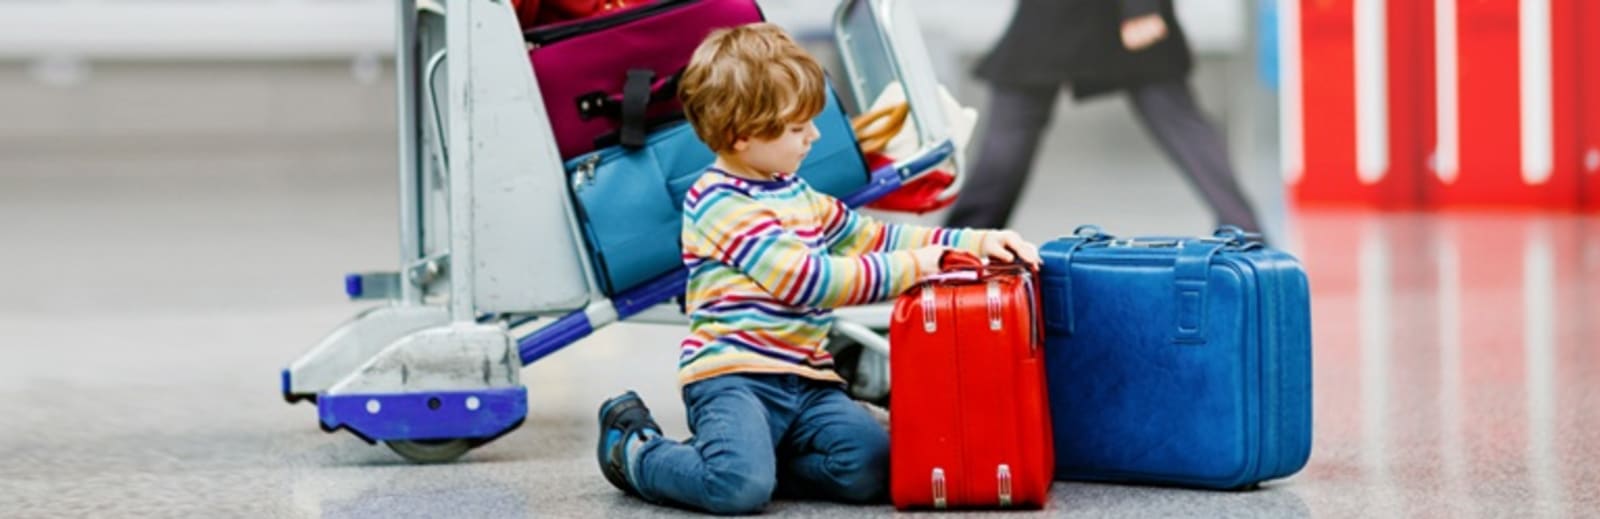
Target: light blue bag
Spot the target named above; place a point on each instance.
(630, 202)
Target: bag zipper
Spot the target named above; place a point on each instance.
(584, 173)
(547, 35)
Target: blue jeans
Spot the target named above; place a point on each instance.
(756, 435)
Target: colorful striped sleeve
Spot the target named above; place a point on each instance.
(749, 236)
(849, 233)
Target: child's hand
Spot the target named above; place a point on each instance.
(928, 259)
(1007, 246)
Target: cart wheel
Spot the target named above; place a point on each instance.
(430, 451)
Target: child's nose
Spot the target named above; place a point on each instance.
(813, 133)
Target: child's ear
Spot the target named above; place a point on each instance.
(741, 144)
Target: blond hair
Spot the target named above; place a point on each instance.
(749, 82)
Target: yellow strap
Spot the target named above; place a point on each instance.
(875, 128)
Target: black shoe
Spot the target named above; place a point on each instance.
(621, 418)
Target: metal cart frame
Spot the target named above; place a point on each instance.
(490, 242)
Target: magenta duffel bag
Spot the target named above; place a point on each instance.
(608, 79)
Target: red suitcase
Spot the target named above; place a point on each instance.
(969, 425)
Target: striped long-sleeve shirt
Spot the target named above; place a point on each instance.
(769, 260)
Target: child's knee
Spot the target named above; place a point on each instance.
(862, 473)
(734, 492)
(871, 445)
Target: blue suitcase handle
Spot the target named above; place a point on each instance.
(1190, 272)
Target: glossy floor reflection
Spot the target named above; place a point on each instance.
(1457, 363)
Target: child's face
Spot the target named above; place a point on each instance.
(781, 154)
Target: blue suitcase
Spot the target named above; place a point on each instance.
(1176, 361)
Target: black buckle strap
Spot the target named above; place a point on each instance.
(640, 90)
(635, 99)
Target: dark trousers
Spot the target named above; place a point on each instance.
(1018, 116)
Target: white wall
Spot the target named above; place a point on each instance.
(199, 29)
(971, 26)
(289, 29)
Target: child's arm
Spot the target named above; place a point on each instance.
(849, 233)
(729, 226)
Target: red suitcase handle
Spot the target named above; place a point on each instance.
(957, 261)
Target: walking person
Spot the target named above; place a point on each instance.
(1094, 47)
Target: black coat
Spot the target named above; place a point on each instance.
(1079, 42)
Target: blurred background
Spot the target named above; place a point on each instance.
(183, 184)
(284, 102)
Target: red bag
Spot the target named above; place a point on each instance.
(874, 131)
(533, 13)
(969, 421)
(918, 196)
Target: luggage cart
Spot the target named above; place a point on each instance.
(490, 241)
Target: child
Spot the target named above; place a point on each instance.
(768, 258)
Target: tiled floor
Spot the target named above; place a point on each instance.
(153, 293)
